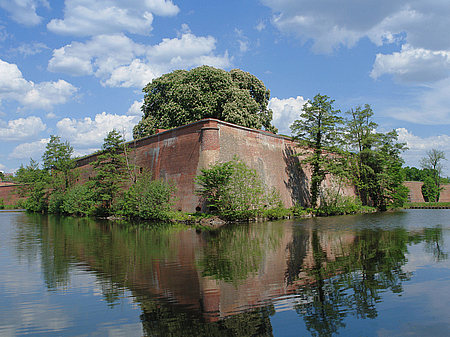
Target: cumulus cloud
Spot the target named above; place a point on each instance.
(88, 18)
(330, 24)
(21, 128)
(87, 132)
(120, 62)
(413, 65)
(23, 11)
(418, 146)
(285, 112)
(42, 95)
(30, 150)
(135, 108)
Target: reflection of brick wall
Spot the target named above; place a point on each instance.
(415, 192)
(179, 155)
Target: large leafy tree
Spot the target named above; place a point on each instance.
(318, 129)
(182, 97)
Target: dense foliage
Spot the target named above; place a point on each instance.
(235, 191)
(352, 151)
(182, 97)
(52, 188)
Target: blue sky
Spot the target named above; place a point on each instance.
(76, 68)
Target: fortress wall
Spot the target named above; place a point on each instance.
(9, 194)
(415, 192)
(179, 154)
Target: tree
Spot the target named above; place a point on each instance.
(110, 168)
(34, 185)
(57, 160)
(318, 129)
(360, 138)
(182, 97)
(430, 191)
(433, 162)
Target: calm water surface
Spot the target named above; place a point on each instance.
(366, 275)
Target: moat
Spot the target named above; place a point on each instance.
(385, 274)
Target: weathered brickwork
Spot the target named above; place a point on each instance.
(415, 192)
(9, 194)
(179, 155)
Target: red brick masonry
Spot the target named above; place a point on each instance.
(179, 154)
(415, 192)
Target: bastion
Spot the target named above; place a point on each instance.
(179, 154)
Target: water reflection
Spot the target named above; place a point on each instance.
(230, 281)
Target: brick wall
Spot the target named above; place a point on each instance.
(415, 192)
(179, 155)
(8, 193)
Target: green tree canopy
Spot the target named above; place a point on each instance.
(318, 128)
(182, 97)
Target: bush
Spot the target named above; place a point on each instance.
(236, 192)
(80, 200)
(55, 202)
(148, 199)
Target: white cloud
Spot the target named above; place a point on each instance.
(330, 24)
(90, 133)
(24, 11)
(260, 26)
(286, 111)
(418, 146)
(20, 129)
(28, 49)
(430, 107)
(120, 62)
(2, 167)
(42, 95)
(135, 108)
(30, 150)
(88, 18)
(413, 65)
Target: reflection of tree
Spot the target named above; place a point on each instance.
(351, 283)
(164, 320)
(233, 253)
(434, 242)
(296, 250)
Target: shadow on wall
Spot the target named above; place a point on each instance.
(297, 183)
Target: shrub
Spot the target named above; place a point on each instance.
(55, 202)
(148, 199)
(80, 200)
(235, 191)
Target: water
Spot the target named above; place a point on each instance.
(366, 275)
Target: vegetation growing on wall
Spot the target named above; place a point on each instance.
(182, 97)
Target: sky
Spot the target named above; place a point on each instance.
(76, 68)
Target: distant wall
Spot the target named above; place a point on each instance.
(415, 192)
(179, 154)
(9, 194)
